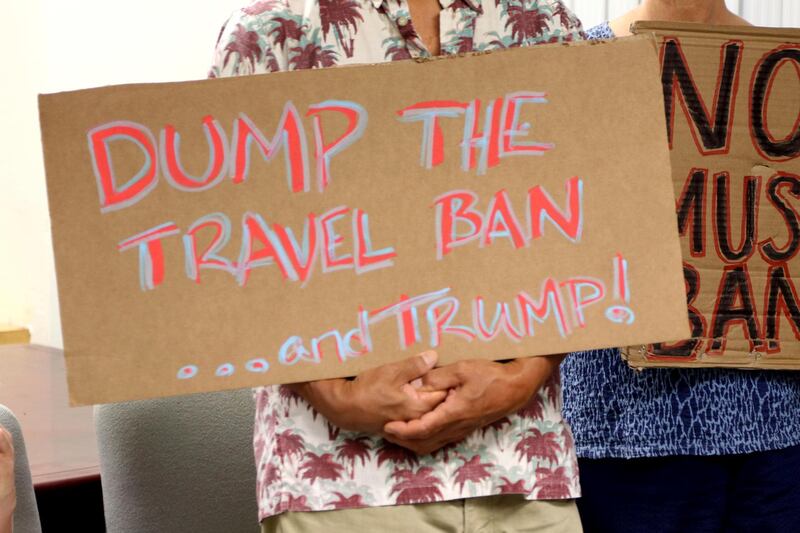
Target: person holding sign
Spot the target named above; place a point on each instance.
(469, 444)
(683, 449)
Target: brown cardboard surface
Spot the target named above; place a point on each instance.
(736, 174)
(135, 330)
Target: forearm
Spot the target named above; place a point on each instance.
(541, 367)
(531, 373)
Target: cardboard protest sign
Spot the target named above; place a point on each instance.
(732, 99)
(289, 227)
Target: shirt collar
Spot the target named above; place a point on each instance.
(474, 4)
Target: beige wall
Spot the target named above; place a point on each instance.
(53, 45)
(27, 280)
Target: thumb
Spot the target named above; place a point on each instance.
(415, 367)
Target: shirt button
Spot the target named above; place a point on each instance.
(402, 21)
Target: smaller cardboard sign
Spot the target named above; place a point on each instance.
(732, 102)
(306, 225)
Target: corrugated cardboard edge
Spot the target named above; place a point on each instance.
(638, 358)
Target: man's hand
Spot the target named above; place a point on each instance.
(8, 494)
(480, 392)
(375, 397)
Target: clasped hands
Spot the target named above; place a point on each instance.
(422, 408)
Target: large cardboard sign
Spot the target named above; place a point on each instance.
(297, 226)
(732, 100)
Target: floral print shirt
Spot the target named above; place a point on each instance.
(304, 463)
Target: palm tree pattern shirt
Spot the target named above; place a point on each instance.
(303, 462)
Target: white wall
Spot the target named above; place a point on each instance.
(27, 281)
(759, 12)
(97, 42)
(54, 45)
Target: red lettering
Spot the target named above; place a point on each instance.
(112, 195)
(512, 129)
(259, 249)
(173, 170)
(151, 253)
(301, 257)
(541, 206)
(331, 240)
(289, 135)
(209, 258)
(451, 208)
(581, 300)
(432, 138)
(356, 118)
(502, 222)
(366, 258)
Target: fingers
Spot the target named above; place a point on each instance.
(432, 399)
(414, 429)
(420, 402)
(415, 367)
(423, 427)
(425, 400)
(6, 442)
(441, 379)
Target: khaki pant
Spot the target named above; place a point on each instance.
(493, 514)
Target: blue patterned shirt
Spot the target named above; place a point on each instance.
(618, 412)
